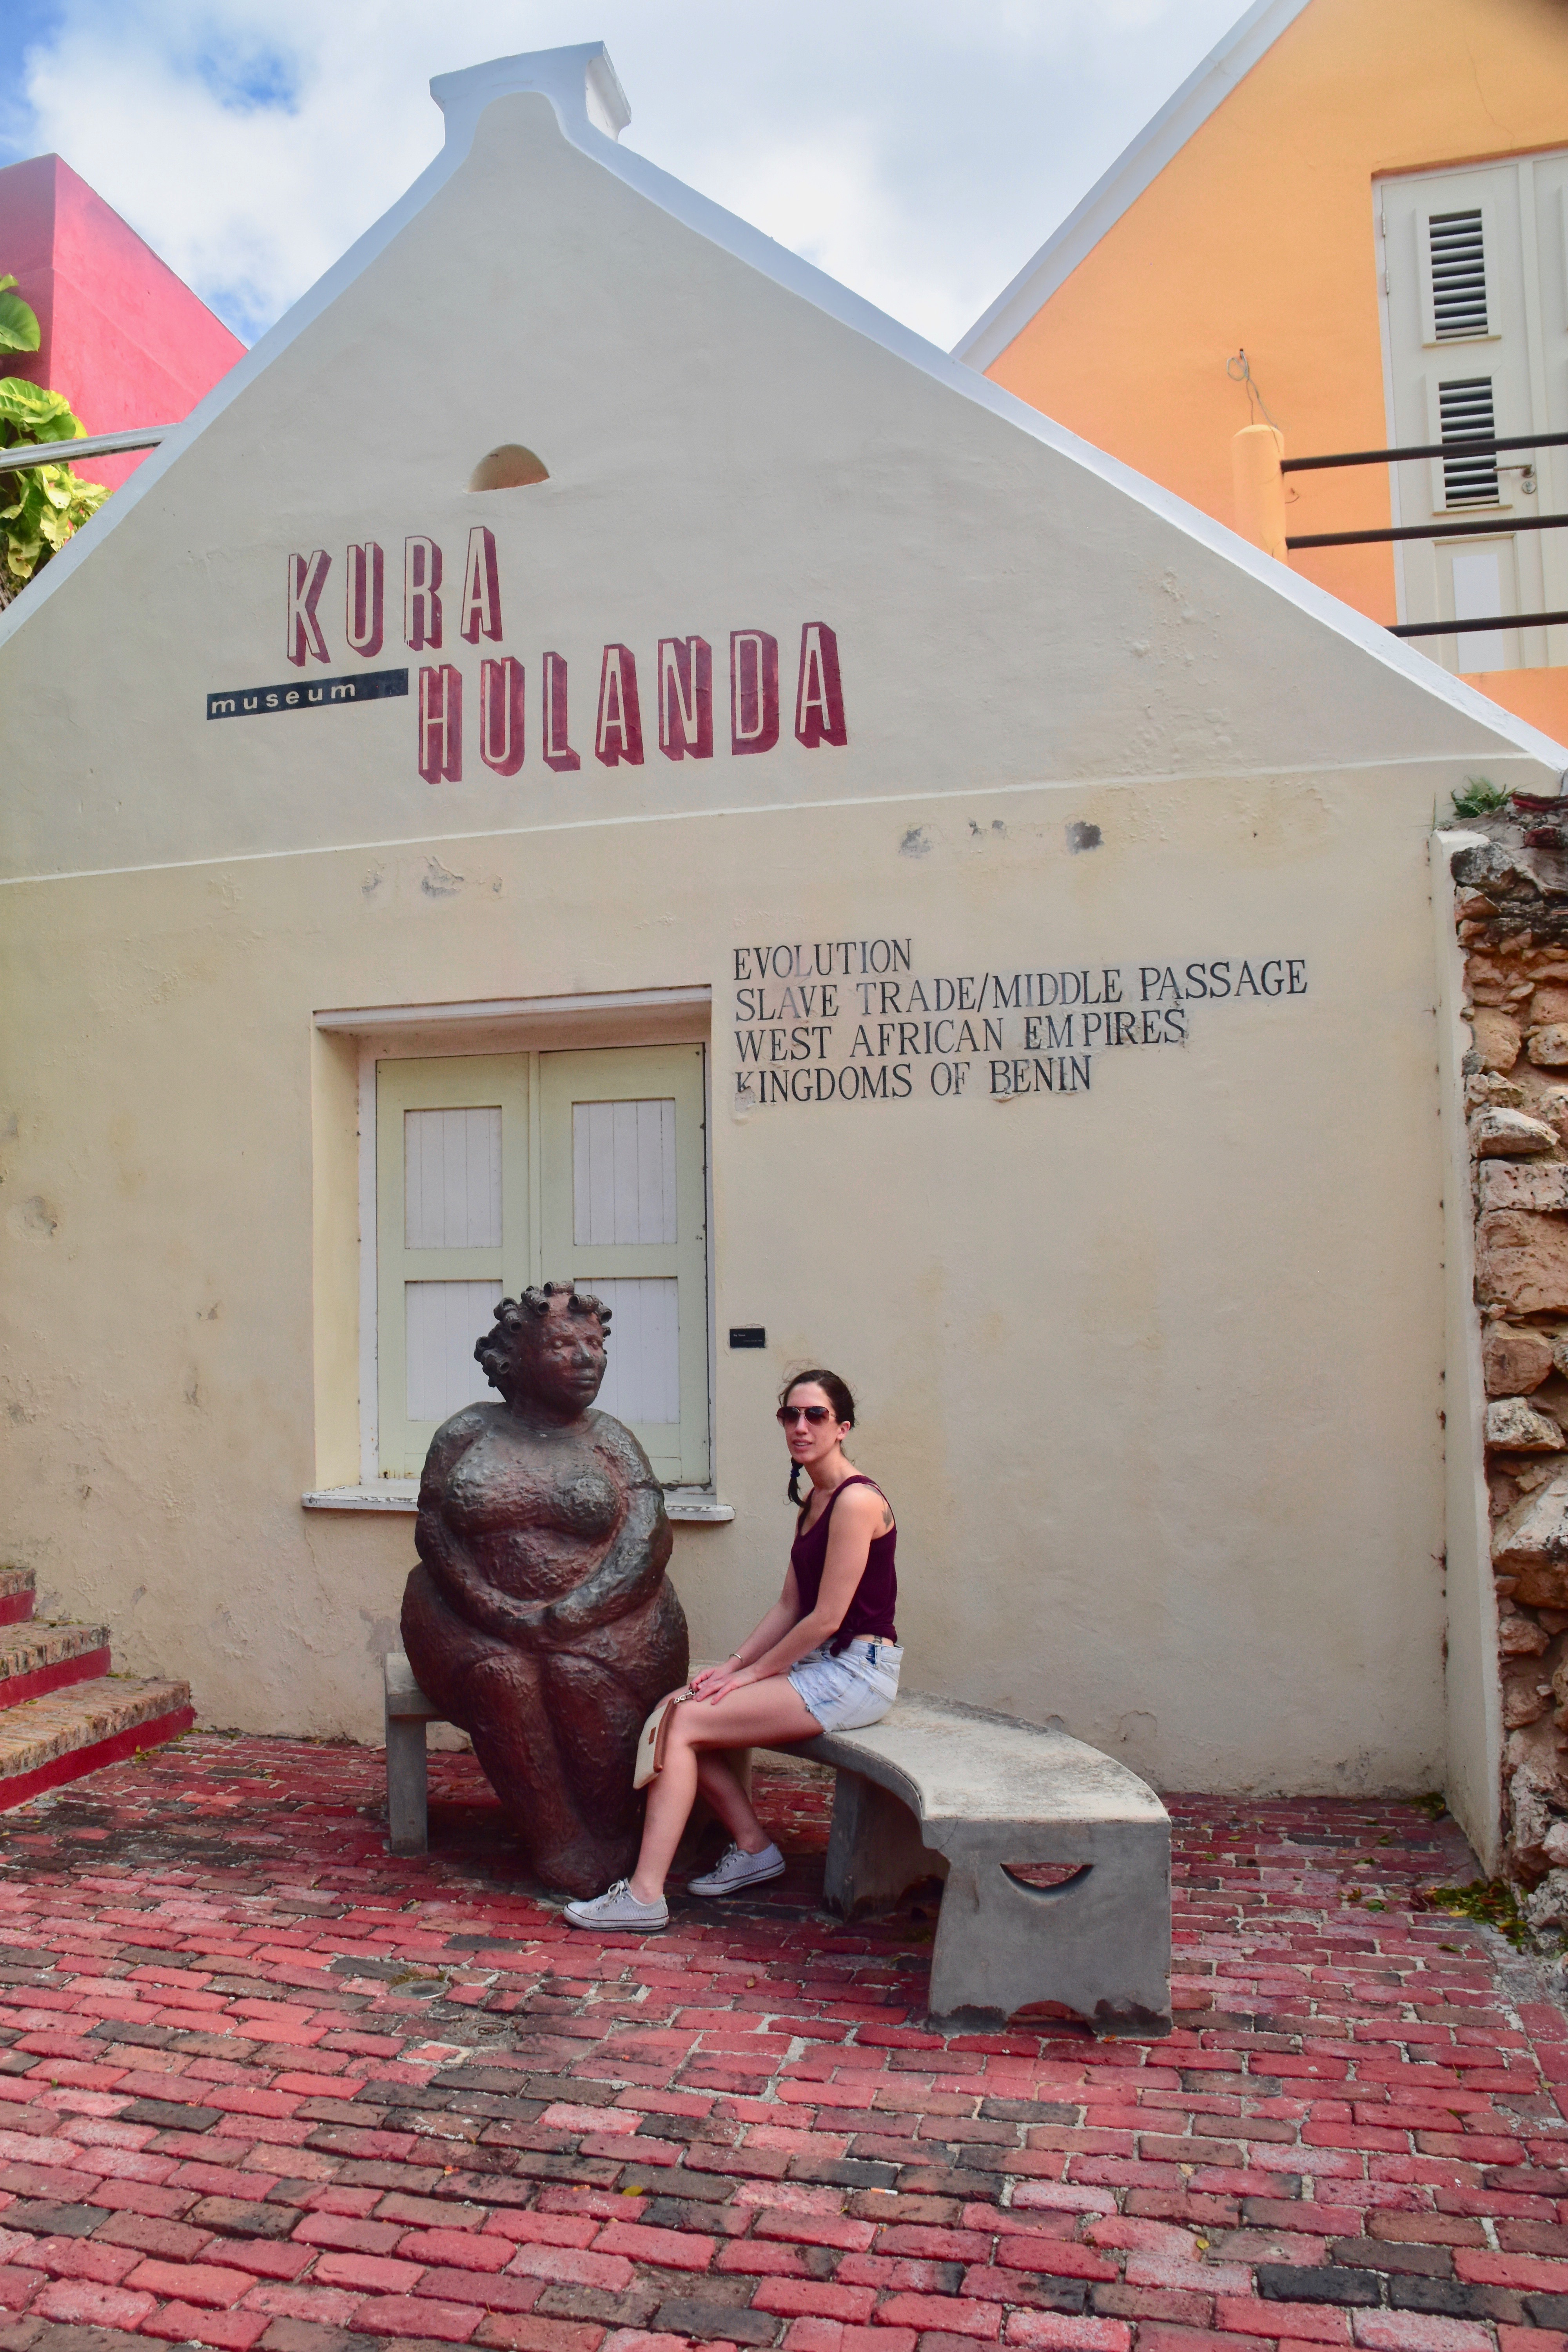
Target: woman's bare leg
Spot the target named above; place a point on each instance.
(757, 1712)
(717, 1783)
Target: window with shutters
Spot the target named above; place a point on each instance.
(494, 1171)
(1474, 283)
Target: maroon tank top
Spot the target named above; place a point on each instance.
(871, 1613)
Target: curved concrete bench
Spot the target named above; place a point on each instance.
(937, 1789)
(941, 1788)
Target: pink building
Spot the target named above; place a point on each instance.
(123, 339)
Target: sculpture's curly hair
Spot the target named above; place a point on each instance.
(513, 1315)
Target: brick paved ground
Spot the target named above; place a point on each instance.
(261, 2084)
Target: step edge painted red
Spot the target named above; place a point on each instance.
(16, 1608)
(76, 1763)
(87, 1666)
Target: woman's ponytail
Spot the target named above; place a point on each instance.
(794, 1484)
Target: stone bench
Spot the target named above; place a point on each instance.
(939, 1790)
(408, 1786)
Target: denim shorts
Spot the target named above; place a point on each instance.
(858, 1687)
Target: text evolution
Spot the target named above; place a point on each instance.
(852, 1020)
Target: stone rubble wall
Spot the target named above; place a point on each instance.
(1511, 910)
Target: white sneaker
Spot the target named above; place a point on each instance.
(620, 1907)
(736, 1870)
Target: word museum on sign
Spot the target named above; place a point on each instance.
(677, 687)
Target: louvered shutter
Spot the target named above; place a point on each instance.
(1467, 412)
(1455, 306)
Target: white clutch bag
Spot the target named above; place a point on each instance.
(656, 1739)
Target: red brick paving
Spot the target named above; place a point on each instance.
(260, 2083)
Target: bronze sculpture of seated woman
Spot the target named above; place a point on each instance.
(541, 1619)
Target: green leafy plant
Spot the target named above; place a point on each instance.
(40, 506)
(1481, 797)
(18, 321)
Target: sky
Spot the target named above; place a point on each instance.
(920, 152)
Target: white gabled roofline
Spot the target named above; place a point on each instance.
(579, 88)
(1160, 138)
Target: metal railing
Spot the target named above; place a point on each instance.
(1462, 445)
(1459, 628)
(1475, 445)
(1429, 531)
(17, 459)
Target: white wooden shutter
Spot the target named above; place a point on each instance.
(622, 1187)
(451, 1234)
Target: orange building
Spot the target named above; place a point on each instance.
(1369, 199)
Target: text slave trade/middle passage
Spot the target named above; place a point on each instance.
(853, 1021)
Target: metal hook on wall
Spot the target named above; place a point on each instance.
(1240, 370)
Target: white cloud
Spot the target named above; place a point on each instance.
(919, 153)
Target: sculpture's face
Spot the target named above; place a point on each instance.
(558, 1361)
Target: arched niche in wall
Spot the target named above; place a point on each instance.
(509, 467)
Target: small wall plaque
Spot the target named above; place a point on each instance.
(298, 693)
(747, 1335)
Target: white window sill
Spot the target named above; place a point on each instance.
(696, 1507)
(386, 1495)
(691, 1507)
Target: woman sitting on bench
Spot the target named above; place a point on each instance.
(825, 1658)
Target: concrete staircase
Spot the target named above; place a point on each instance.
(62, 1713)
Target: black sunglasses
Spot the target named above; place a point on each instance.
(812, 1412)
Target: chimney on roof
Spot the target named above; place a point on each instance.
(580, 82)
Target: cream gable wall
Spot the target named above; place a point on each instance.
(724, 453)
(1153, 1371)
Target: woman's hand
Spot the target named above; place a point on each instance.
(718, 1682)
